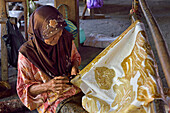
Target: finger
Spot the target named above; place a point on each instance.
(60, 78)
(61, 86)
(73, 72)
(61, 81)
(61, 95)
(59, 89)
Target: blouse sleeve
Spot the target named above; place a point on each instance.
(26, 72)
(75, 54)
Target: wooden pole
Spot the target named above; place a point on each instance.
(4, 56)
(25, 18)
(157, 105)
(92, 13)
(136, 5)
(77, 22)
(84, 11)
(159, 40)
(134, 10)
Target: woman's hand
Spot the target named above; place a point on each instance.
(58, 84)
(74, 70)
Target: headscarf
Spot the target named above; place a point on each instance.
(52, 60)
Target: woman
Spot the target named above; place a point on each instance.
(46, 61)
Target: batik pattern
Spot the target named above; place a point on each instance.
(121, 79)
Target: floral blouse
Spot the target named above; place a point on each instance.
(29, 74)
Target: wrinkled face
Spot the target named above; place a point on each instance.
(53, 40)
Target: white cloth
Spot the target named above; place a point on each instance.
(121, 79)
(16, 14)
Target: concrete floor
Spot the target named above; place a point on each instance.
(117, 13)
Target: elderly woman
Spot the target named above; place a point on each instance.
(46, 62)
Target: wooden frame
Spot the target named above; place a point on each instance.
(4, 56)
(157, 105)
(92, 15)
(3, 19)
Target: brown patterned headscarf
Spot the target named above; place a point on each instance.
(55, 60)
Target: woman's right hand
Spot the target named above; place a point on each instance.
(58, 84)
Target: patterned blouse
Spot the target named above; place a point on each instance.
(29, 74)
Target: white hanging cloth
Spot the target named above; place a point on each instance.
(122, 78)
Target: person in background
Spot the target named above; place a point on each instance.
(46, 62)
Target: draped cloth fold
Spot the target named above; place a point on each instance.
(123, 77)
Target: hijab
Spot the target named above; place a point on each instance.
(46, 21)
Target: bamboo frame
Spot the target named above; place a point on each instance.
(159, 40)
(3, 19)
(157, 106)
(25, 18)
(4, 56)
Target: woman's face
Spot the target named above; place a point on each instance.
(54, 39)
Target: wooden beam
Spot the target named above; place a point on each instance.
(95, 16)
(77, 21)
(84, 11)
(25, 18)
(135, 5)
(92, 14)
(134, 11)
(157, 106)
(160, 43)
(4, 56)
(3, 20)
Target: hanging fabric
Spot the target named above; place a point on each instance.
(94, 3)
(123, 77)
(13, 40)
